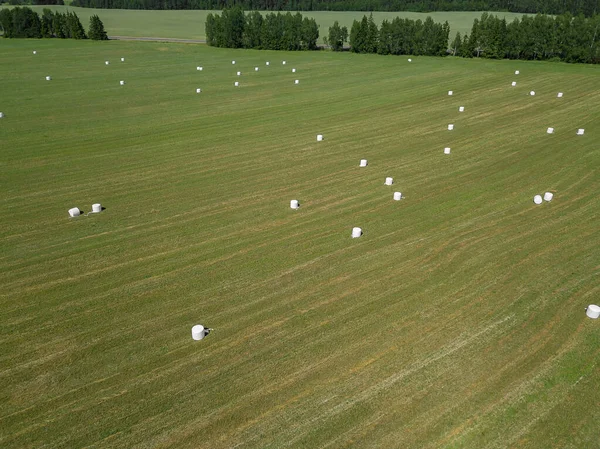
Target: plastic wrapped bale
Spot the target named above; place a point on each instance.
(283, 62)
(517, 72)
(294, 204)
(74, 212)
(198, 332)
(450, 93)
(559, 95)
(389, 181)
(356, 233)
(122, 83)
(548, 196)
(1, 114)
(513, 84)
(450, 127)
(593, 311)
(123, 60)
(199, 69)
(296, 81)
(198, 90)
(319, 137)
(239, 73)
(236, 84)
(409, 60)
(34, 52)
(580, 131)
(256, 69)
(48, 78)
(537, 199)
(293, 70)
(532, 93)
(96, 208)
(461, 109)
(447, 150)
(397, 196)
(363, 163)
(106, 62)
(233, 62)
(267, 63)
(550, 130)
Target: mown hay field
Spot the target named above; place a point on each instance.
(456, 321)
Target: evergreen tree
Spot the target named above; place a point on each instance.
(96, 31)
(456, 44)
(252, 30)
(372, 35)
(357, 38)
(310, 34)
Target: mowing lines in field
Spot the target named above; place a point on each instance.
(367, 394)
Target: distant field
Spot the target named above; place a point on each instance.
(456, 321)
(190, 24)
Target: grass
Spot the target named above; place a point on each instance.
(456, 321)
(190, 24)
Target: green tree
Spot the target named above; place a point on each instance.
(372, 35)
(456, 44)
(6, 22)
(310, 34)
(96, 31)
(252, 30)
(337, 36)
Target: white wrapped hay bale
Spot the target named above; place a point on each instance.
(198, 332)
(74, 212)
(450, 93)
(363, 163)
(537, 199)
(296, 81)
(48, 78)
(513, 84)
(593, 311)
(106, 62)
(239, 73)
(389, 181)
(122, 83)
(319, 137)
(236, 84)
(267, 63)
(559, 95)
(123, 60)
(450, 127)
(397, 196)
(199, 68)
(294, 204)
(548, 196)
(409, 60)
(198, 90)
(356, 233)
(293, 70)
(580, 131)
(550, 130)
(461, 109)
(283, 62)
(532, 93)
(256, 69)
(96, 208)
(1, 114)
(233, 62)
(447, 150)
(517, 72)
(34, 52)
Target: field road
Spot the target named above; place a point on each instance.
(158, 39)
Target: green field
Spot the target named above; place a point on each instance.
(190, 24)
(456, 321)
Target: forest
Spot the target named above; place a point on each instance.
(586, 7)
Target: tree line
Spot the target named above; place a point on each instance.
(34, 2)
(25, 23)
(555, 7)
(561, 38)
(234, 29)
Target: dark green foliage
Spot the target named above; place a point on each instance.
(233, 29)
(96, 31)
(337, 36)
(26, 23)
(575, 7)
(541, 37)
(400, 37)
